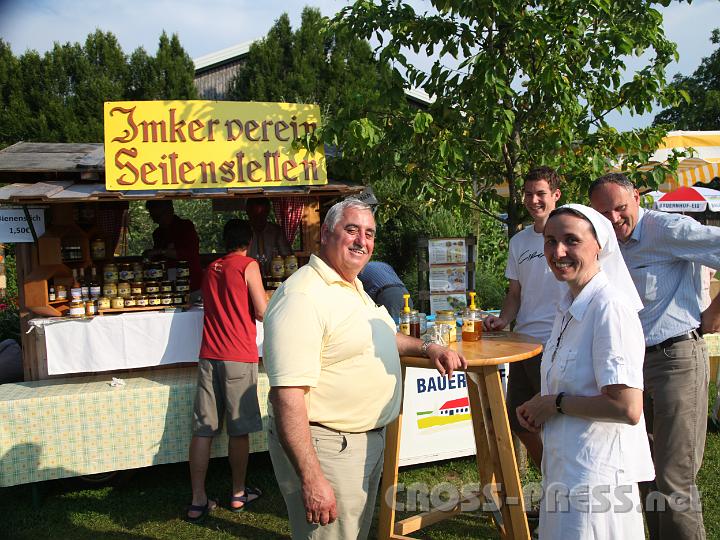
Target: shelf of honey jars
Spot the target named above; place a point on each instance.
(281, 268)
(115, 286)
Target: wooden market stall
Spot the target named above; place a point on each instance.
(62, 177)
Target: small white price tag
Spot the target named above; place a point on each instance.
(14, 227)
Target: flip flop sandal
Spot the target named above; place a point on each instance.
(250, 496)
(204, 510)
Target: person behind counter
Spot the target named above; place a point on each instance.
(174, 239)
(384, 286)
(233, 298)
(268, 238)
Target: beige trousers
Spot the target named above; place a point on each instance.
(352, 463)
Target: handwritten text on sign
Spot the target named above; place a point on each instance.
(209, 144)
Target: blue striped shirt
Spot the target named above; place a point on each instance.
(664, 255)
(376, 275)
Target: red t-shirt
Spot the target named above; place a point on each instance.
(183, 237)
(229, 324)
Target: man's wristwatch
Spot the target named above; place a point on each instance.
(425, 346)
(558, 402)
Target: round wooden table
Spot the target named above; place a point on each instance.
(495, 455)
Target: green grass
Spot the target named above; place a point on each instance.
(150, 503)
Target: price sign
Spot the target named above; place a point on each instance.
(14, 227)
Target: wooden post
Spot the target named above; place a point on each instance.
(25, 262)
(311, 227)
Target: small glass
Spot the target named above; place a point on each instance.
(439, 334)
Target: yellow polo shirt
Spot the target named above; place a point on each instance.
(328, 335)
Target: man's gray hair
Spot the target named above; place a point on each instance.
(619, 179)
(334, 215)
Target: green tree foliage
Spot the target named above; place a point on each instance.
(208, 224)
(328, 65)
(701, 108)
(58, 97)
(309, 65)
(515, 84)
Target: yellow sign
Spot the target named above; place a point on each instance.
(152, 145)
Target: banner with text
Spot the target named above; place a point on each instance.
(153, 145)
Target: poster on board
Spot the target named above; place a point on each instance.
(447, 251)
(456, 302)
(448, 278)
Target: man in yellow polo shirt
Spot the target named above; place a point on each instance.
(332, 357)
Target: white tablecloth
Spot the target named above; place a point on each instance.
(125, 341)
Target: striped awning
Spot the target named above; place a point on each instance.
(702, 166)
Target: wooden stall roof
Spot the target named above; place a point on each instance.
(43, 173)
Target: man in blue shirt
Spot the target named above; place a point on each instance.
(664, 253)
(384, 286)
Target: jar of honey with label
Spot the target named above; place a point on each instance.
(472, 321)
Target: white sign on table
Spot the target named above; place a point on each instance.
(14, 228)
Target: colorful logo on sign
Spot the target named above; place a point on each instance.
(450, 412)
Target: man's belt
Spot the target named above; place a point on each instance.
(318, 424)
(692, 334)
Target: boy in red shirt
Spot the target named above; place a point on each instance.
(233, 298)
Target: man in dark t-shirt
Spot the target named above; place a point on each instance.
(175, 239)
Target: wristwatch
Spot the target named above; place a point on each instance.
(425, 346)
(558, 402)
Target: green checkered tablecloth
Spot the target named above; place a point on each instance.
(69, 427)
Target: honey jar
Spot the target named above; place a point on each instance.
(126, 273)
(110, 273)
(166, 299)
(178, 299)
(123, 289)
(166, 287)
(110, 289)
(154, 271)
(61, 292)
(103, 303)
(141, 300)
(291, 265)
(277, 268)
(182, 286)
(117, 302)
(90, 308)
(77, 309)
(182, 270)
(97, 248)
(152, 287)
(153, 300)
(447, 316)
(136, 288)
(129, 301)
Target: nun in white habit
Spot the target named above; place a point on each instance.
(590, 405)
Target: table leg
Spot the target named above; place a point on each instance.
(502, 454)
(388, 486)
(483, 459)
